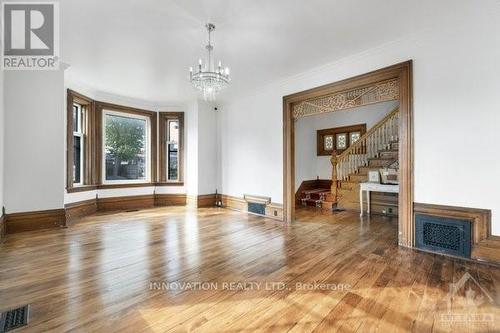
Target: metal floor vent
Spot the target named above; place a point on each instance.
(15, 318)
(257, 208)
(444, 235)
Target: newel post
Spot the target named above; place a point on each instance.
(333, 159)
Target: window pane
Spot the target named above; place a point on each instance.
(77, 163)
(75, 118)
(355, 137)
(341, 141)
(125, 147)
(173, 131)
(328, 144)
(173, 161)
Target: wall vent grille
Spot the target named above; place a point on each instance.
(443, 235)
(14, 318)
(257, 208)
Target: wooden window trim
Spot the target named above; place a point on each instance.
(320, 134)
(88, 143)
(164, 117)
(99, 108)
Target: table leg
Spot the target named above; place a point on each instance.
(361, 201)
(368, 202)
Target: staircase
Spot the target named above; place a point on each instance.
(378, 148)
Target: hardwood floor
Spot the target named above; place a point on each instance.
(110, 273)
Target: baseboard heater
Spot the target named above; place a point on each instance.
(443, 235)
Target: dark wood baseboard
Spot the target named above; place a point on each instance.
(126, 203)
(3, 229)
(77, 210)
(200, 201)
(485, 247)
(207, 200)
(480, 218)
(273, 210)
(30, 221)
(37, 220)
(170, 199)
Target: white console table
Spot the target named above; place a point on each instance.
(374, 187)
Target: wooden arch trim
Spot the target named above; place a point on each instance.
(401, 72)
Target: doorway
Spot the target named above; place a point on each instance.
(297, 103)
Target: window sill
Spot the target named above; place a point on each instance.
(82, 188)
(170, 184)
(124, 185)
(85, 188)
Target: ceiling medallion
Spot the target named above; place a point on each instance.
(207, 78)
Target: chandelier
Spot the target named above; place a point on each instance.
(207, 78)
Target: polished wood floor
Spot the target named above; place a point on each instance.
(325, 273)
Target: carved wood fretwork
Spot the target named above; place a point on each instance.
(379, 92)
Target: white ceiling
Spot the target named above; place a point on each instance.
(143, 48)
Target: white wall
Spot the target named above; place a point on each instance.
(2, 140)
(207, 148)
(201, 148)
(34, 140)
(191, 149)
(455, 113)
(307, 164)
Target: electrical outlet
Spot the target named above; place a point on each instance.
(275, 213)
(390, 210)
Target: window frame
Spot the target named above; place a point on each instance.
(103, 108)
(147, 157)
(164, 119)
(87, 125)
(320, 137)
(80, 132)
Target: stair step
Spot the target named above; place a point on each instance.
(389, 154)
(311, 202)
(358, 178)
(328, 205)
(380, 162)
(319, 190)
(345, 184)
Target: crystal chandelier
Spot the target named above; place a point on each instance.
(207, 78)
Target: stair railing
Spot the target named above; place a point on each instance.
(379, 137)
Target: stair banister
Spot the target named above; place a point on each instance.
(367, 146)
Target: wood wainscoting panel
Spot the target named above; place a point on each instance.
(79, 209)
(36, 220)
(199, 201)
(170, 199)
(480, 218)
(273, 210)
(3, 229)
(126, 203)
(207, 200)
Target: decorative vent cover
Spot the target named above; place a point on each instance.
(443, 235)
(14, 318)
(257, 208)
